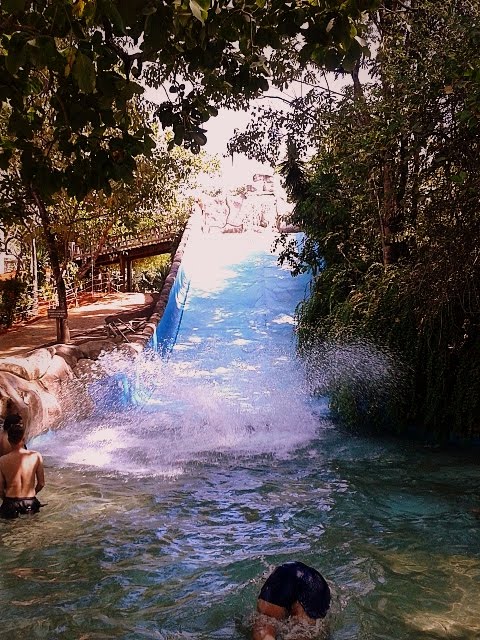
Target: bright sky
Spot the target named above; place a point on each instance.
(221, 128)
(240, 169)
(219, 131)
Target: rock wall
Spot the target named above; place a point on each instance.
(40, 384)
(260, 206)
(50, 384)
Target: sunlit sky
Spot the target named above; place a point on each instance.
(219, 131)
(239, 169)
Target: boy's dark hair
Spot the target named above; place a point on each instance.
(16, 433)
(11, 420)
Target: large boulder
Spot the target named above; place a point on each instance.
(70, 353)
(39, 409)
(93, 348)
(29, 367)
(56, 376)
(87, 369)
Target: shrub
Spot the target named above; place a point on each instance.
(13, 297)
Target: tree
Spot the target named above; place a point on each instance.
(156, 198)
(389, 205)
(392, 207)
(68, 70)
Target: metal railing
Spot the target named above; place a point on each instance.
(118, 244)
(75, 292)
(88, 286)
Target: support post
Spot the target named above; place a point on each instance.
(122, 271)
(35, 277)
(129, 274)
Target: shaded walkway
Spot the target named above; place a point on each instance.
(85, 322)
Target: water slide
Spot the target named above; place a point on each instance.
(230, 319)
(222, 371)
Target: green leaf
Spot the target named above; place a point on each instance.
(43, 53)
(179, 132)
(84, 73)
(16, 58)
(113, 15)
(5, 155)
(198, 11)
(149, 9)
(332, 59)
(329, 26)
(263, 83)
(19, 125)
(459, 178)
(199, 138)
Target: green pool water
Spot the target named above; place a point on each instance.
(120, 556)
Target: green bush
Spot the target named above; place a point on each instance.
(13, 298)
(149, 274)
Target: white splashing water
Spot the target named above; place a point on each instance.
(362, 365)
(180, 417)
(232, 384)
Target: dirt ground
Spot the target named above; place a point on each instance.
(85, 322)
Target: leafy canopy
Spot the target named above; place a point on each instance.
(89, 59)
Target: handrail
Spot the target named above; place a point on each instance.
(87, 286)
(121, 243)
(31, 308)
(115, 245)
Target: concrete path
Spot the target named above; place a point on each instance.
(85, 322)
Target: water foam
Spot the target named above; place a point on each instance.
(232, 382)
(180, 413)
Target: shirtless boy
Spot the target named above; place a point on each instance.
(21, 476)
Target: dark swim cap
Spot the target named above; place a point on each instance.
(296, 581)
(314, 596)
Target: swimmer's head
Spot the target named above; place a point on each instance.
(16, 432)
(12, 420)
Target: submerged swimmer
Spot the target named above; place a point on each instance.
(293, 589)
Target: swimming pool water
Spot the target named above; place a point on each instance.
(164, 517)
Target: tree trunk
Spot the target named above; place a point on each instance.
(63, 331)
(100, 245)
(394, 170)
(389, 215)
